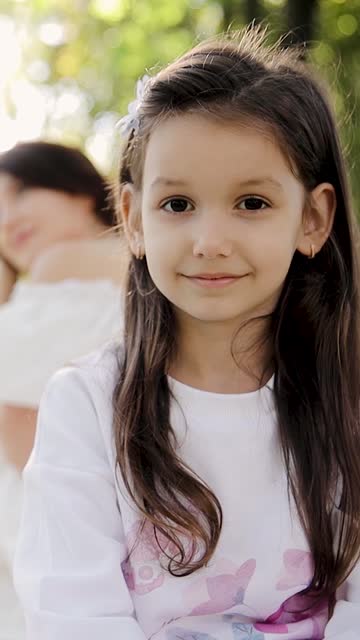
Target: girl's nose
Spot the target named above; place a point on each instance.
(212, 242)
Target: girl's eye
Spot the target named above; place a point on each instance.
(252, 203)
(177, 205)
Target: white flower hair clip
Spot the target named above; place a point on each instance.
(131, 121)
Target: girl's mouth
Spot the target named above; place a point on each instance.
(213, 280)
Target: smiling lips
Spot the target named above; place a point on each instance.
(214, 280)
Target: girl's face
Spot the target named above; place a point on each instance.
(33, 219)
(221, 218)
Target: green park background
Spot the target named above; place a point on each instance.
(85, 55)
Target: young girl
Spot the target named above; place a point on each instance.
(202, 481)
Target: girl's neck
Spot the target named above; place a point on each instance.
(216, 358)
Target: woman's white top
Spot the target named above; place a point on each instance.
(42, 327)
(87, 569)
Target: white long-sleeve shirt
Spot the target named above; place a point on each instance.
(73, 571)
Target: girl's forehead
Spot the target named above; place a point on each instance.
(193, 144)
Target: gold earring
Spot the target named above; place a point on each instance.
(312, 252)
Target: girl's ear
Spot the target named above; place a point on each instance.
(318, 219)
(130, 208)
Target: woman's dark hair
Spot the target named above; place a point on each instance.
(55, 166)
(314, 329)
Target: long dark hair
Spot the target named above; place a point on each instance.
(55, 166)
(314, 327)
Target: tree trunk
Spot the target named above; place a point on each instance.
(228, 11)
(301, 18)
(253, 12)
(237, 11)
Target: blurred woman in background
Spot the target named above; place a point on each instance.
(61, 270)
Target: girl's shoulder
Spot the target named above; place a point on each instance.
(76, 410)
(99, 371)
(103, 362)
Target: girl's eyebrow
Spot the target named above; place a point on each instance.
(258, 182)
(167, 182)
(252, 182)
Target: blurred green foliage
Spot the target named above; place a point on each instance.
(98, 48)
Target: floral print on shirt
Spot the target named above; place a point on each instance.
(186, 634)
(226, 590)
(298, 610)
(240, 632)
(142, 569)
(298, 569)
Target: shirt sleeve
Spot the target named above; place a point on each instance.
(345, 621)
(67, 568)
